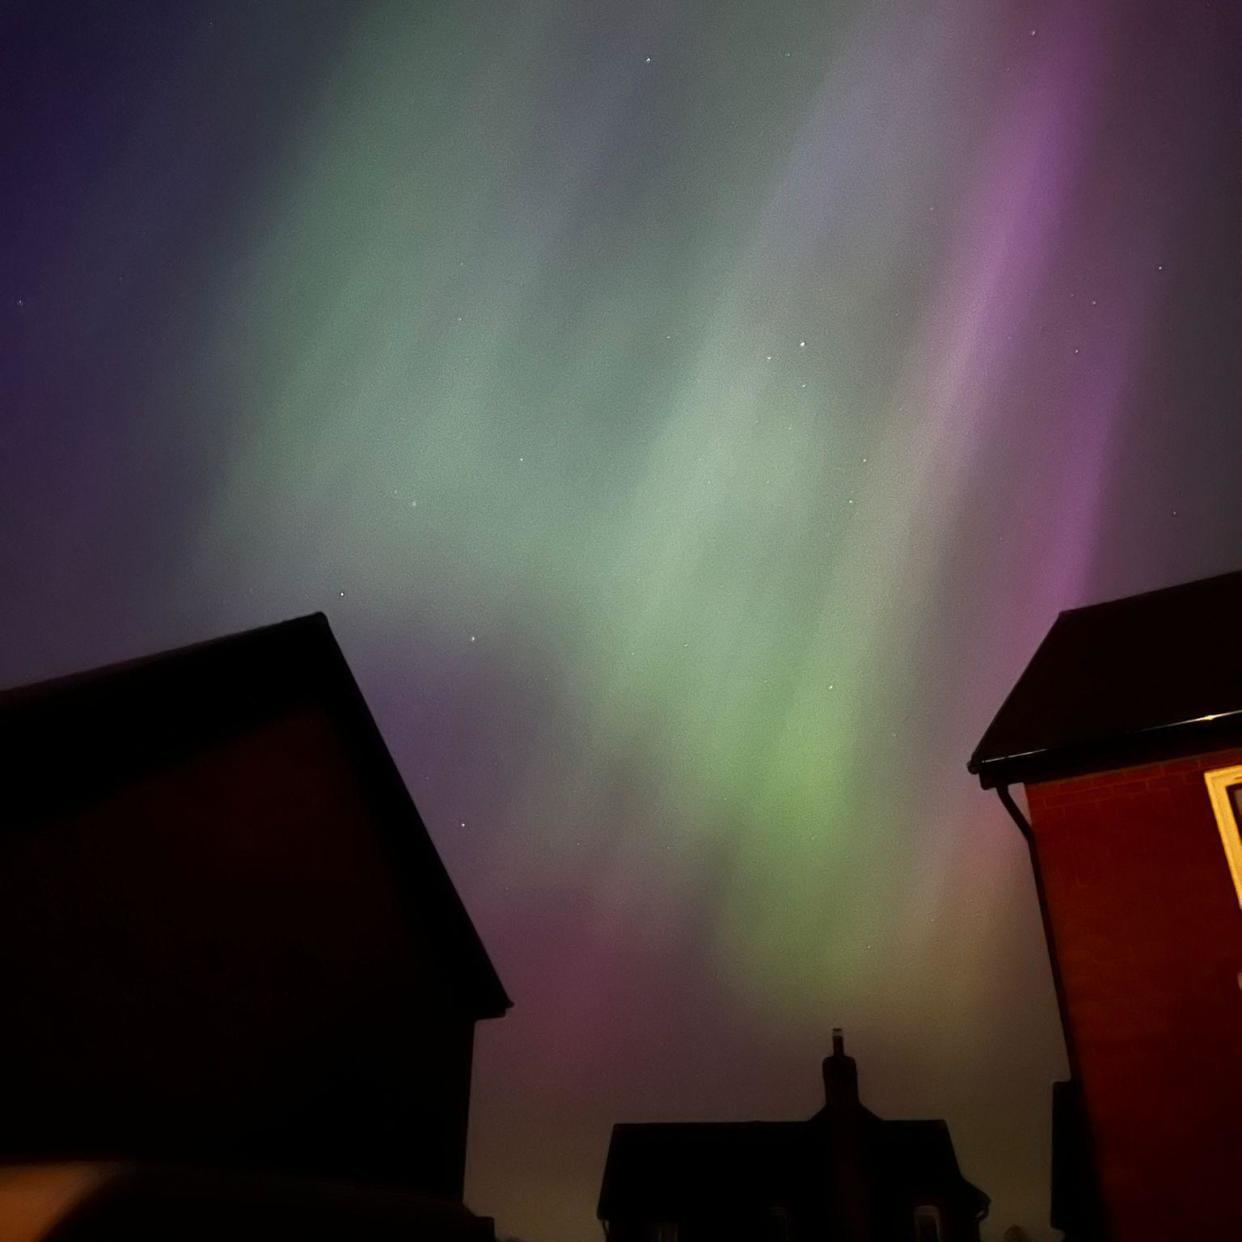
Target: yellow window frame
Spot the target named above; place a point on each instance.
(1218, 784)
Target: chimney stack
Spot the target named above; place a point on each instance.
(840, 1077)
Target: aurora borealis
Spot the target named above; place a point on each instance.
(690, 417)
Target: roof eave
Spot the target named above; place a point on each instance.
(1166, 741)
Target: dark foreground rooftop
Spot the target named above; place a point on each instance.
(226, 937)
(1124, 682)
(73, 740)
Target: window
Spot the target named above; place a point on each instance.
(926, 1223)
(1224, 787)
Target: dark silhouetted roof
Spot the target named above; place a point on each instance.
(663, 1171)
(920, 1156)
(1124, 682)
(70, 741)
(675, 1171)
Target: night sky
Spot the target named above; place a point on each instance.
(690, 416)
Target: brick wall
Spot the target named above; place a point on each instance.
(1147, 937)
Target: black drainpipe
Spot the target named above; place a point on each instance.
(1015, 813)
(1091, 1209)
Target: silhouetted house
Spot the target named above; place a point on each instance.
(1126, 729)
(844, 1175)
(226, 939)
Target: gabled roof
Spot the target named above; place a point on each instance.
(69, 741)
(663, 1171)
(920, 1156)
(674, 1171)
(1123, 682)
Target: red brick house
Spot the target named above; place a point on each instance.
(1126, 731)
(843, 1174)
(226, 939)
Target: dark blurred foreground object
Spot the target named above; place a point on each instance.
(1126, 730)
(1075, 1193)
(226, 938)
(845, 1174)
(182, 1205)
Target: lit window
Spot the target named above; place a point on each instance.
(926, 1223)
(1225, 790)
